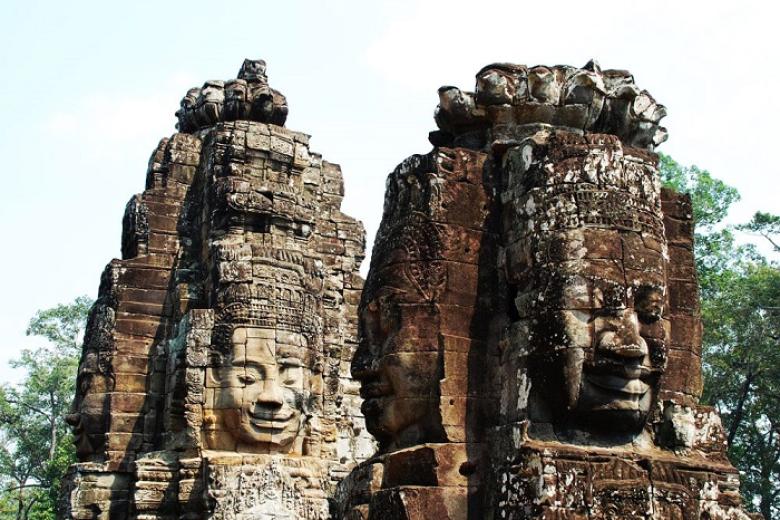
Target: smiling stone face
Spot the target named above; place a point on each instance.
(259, 393)
(586, 269)
(607, 354)
(224, 333)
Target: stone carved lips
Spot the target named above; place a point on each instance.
(621, 371)
(80, 439)
(270, 421)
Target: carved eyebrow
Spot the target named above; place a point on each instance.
(388, 292)
(242, 361)
(605, 312)
(291, 361)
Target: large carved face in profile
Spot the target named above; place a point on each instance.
(90, 411)
(397, 360)
(259, 391)
(87, 417)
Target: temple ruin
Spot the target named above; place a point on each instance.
(526, 345)
(214, 380)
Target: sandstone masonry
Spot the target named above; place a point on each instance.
(214, 380)
(527, 344)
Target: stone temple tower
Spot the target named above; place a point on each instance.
(214, 380)
(527, 344)
(530, 335)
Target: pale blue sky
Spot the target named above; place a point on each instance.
(89, 88)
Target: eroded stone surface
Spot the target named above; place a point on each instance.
(214, 380)
(420, 312)
(527, 344)
(569, 328)
(246, 98)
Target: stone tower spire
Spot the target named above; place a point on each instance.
(214, 380)
(530, 328)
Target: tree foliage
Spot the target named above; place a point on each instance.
(740, 293)
(767, 225)
(711, 197)
(36, 447)
(63, 325)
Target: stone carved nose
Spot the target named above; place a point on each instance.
(624, 342)
(364, 361)
(271, 395)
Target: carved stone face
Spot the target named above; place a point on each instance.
(236, 103)
(90, 412)
(259, 393)
(87, 413)
(601, 341)
(397, 362)
(212, 92)
(253, 70)
(186, 106)
(585, 262)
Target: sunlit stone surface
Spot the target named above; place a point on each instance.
(527, 344)
(530, 337)
(215, 379)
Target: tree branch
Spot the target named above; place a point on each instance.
(30, 407)
(774, 244)
(23, 486)
(738, 411)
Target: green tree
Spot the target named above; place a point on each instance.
(767, 225)
(742, 337)
(35, 444)
(711, 198)
(740, 301)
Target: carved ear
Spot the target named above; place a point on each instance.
(210, 429)
(212, 378)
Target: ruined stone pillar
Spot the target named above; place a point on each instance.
(214, 381)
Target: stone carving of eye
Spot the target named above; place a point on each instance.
(248, 379)
(649, 303)
(291, 373)
(387, 312)
(85, 382)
